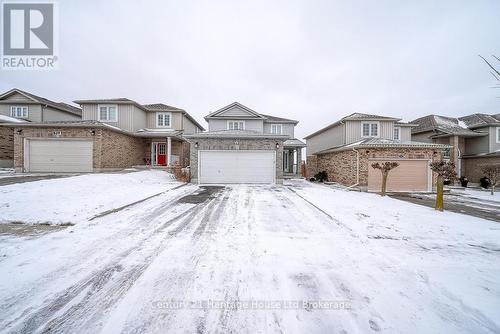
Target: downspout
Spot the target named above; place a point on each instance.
(357, 169)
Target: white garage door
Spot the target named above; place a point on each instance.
(410, 175)
(236, 167)
(59, 155)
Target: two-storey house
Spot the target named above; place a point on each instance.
(244, 146)
(18, 106)
(346, 149)
(112, 134)
(474, 140)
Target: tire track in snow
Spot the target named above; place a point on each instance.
(104, 288)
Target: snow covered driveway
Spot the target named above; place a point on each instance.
(298, 258)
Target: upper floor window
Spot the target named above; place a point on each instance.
(276, 129)
(397, 133)
(108, 112)
(369, 129)
(19, 111)
(498, 135)
(236, 125)
(163, 119)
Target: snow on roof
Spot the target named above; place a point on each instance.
(8, 119)
(381, 142)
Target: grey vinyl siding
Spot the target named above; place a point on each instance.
(250, 124)
(405, 133)
(422, 137)
(286, 128)
(476, 145)
(51, 114)
(34, 110)
(353, 130)
(494, 146)
(234, 112)
(332, 137)
(125, 116)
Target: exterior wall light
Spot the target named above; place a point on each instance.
(196, 145)
(277, 145)
(92, 132)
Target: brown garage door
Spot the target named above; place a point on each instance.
(410, 175)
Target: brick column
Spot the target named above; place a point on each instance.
(299, 160)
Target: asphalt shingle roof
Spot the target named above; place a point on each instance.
(447, 125)
(57, 105)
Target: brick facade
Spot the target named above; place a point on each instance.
(111, 150)
(471, 167)
(235, 144)
(341, 166)
(6, 146)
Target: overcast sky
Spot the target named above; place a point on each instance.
(314, 61)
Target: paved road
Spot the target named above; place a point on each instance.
(456, 203)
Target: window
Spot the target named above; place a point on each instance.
(276, 129)
(163, 119)
(108, 112)
(397, 133)
(498, 135)
(369, 129)
(235, 125)
(19, 111)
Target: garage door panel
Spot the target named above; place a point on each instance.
(60, 156)
(237, 167)
(410, 175)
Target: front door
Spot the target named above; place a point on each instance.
(161, 154)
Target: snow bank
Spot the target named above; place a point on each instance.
(73, 199)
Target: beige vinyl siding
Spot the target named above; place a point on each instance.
(34, 110)
(189, 127)
(286, 128)
(332, 137)
(16, 97)
(175, 121)
(139, 118)
(250, 124)
(405, 133)
(126, 116)
(353, 130)
(51, 114)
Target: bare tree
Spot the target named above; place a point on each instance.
(494, 71)
(385, 168)
(444, 170)
(492, 172)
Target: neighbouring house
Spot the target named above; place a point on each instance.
(112, 134)
(346, 149)
(474, 140)
(18, 106)
(244, 146)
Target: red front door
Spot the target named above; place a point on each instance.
(161, 154)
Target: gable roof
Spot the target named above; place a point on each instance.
(355, 117)
(231, 106)
(38, 99)
(161, 107)
(480, 120)
(443, 124)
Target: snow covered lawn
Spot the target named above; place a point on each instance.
(298, 258)
(78, 198)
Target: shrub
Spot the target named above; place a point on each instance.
(182, 174)
(321, 176)
(464, 181)
(485, 182)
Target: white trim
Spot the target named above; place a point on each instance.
(274, 160)
(399, 132)
(164, 113)
(370, 129)
(497, 129)
(107, 106)
(19, 106)
(235, 121)
(281, 128)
